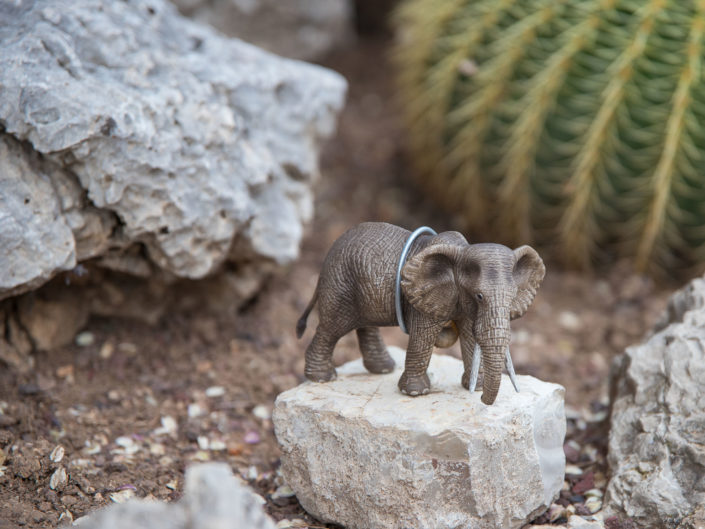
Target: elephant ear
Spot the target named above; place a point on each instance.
(529, 271)
(428, 281)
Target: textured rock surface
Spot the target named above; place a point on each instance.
(359, 453)
(213, 499)
(123, 124)
(657, 437)
(301, 29)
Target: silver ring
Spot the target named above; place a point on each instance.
(402, 260)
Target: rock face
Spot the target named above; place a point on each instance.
(301, 29)
(359, 453)
(213, 499)
(657, 437)
(124, 125)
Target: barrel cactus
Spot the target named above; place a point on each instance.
(574, 124)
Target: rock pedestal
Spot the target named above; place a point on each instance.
(359, 453)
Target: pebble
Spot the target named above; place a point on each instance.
(251, 437)
(262, 412)
(569, 320)
(203, 442)
(555, 511)
(218, 445)
(122, 496)
(85, 339)
(127, 446)
(169, 426)
(157, 449)
(283, 492)
(195, 410)
(291, 524)
(57, 454)
(574, 470)
(172, 485)
(58, 479)
(593, 504)
(66, 516)
(128, 348)
(106, 350)
(215, 391)
(252, 473)
(594, 493)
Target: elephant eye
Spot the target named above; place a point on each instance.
(479, 296)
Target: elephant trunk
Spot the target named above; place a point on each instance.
(493, 337)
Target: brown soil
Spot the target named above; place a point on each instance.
(131, 409)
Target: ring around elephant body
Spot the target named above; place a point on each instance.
(477, 287)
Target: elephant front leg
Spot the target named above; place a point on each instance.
(414, 380)
(375, 357)
(319, 357)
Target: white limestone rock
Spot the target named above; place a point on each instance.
(359, 453)
(656, 447)
(131, 125)
(213, 499)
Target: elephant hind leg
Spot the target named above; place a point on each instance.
(375, 357)
(319, 357)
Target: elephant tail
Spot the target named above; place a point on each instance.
(301, 324)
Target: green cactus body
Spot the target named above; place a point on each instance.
(578, 125)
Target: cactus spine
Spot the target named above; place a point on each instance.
(577, 124)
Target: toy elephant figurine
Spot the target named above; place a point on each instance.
(448, 288)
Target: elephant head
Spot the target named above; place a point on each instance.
(481, 287)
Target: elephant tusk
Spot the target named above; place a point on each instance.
(510, 369)
(475, 368)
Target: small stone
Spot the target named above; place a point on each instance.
(58, 479)
(446, 447)
(157, 449)
(106, 350)
(283, 492)
(296, 523)
(215, 391)
(203, 443)
(66, 372)
(85, 339)
(252, 473)
(569, 320)
(594, 493)
(251, 437)
(172, 485)
(262, 412)
(593, 504)
(555, 511)
(217, 445)
(68, 499)
(578, 522)
(66, 517)
(585, 483)
(122, 496)
(57, 454)
(128, 348)
(573, 470)
(195, 410)
(169, 426)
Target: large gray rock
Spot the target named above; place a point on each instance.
(123, 124)
(301, 29)
(657, 437)
(213, 499)
(359, 453)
